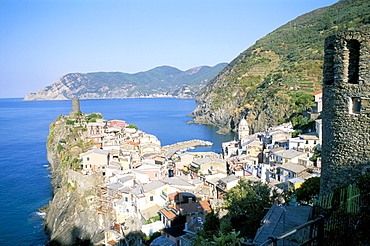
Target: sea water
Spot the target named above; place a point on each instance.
(24, 178)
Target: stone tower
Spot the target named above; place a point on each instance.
(346, 109)
(75, 106)
(243, 129)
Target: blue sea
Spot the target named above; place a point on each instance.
(25, 180)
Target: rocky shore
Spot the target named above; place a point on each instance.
(70, 217)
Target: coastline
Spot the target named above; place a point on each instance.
(72, 216)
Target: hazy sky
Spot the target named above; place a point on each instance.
(42, 40)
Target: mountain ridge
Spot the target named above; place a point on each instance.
(159, 81)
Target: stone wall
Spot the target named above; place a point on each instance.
(84, 183)
(346, 109)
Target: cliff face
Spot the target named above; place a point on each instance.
(71, 217)
(263, 84)
(160, 81)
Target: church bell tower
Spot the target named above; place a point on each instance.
(243, 129)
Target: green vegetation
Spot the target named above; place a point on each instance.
(149, 239)
(59, 148)
(246, 204)
(93, 117)
(308, 191)
(153, 219)
(270, 75)
(133, 126)
(70, 122)
(302, 124)
(75, 164)
(230, 239)
(346, 213)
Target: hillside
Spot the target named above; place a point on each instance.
(159, 81)
(265, 81)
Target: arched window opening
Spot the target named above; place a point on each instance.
(354, 59)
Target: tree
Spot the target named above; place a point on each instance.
(229, 239)
(303, 102)
(246, 204)
(93, 117)
(133, 126)
(210, 228)
(302, 123)
(308, 190)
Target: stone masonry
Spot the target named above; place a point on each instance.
(76, 105)
(346, 109)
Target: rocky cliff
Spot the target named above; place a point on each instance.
(160, 81)
(71, 218)
(264, 83)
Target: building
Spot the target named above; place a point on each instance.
(95, 160)
(209, 165)
(318, 102)
(243, 129)
(346, 109)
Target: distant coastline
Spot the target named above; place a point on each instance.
(164, 81)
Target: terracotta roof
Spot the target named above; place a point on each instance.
(193, 207)
(316, 93)
(133, 143)
(112, 242)
(169, 214)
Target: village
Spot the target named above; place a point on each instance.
(148, 186)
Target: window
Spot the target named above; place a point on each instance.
(156, 175)
(356, 105)
(126, 199)
(151, 198)
(88, 158)
(354, 58)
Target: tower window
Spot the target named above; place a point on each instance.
(354, 59)
(356, 105)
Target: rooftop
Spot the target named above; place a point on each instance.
(153, 185)
(125, 179)
(176, 181)
(168, 213)
(206, 160)
(281, 219)
(289, 154)
(114, 186)
(293, 167)
(309, 136)
(98, 151)
(229, 179)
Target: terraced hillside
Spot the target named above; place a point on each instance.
(266, 82)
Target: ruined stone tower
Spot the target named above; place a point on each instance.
(346, 109)
(75, 106)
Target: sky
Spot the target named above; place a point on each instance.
(42, 40)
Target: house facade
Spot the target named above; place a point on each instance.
(94, 160)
